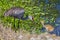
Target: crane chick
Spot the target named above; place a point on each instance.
(52, 30)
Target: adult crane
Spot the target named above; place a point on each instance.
(17, 12)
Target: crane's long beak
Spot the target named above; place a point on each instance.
(31, 18)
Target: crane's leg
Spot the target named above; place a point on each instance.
(14, 22)
(14, 25)
(18, 23)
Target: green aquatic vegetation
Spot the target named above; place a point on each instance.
(30, 9)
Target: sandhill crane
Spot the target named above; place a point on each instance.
(47, 26)
(51, 29)
(17, 12)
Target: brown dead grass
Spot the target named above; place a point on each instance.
(6, 33)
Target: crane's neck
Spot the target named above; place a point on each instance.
(27, 17)
(24, 18)
(43, 25)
